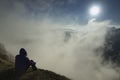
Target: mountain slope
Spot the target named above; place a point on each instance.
(112, 46)
(39, 74)
(7, 71)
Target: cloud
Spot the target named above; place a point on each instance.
(72, 49)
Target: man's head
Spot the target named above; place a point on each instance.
(23, 52)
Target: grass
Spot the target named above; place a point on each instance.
(39, 74)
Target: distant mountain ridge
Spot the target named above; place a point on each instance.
(112, 46)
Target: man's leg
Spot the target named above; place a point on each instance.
(33, 65)
(27, 66)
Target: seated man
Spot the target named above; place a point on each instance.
(22, 62)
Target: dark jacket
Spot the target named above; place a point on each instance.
(21, 63)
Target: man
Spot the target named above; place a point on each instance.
(22, 62)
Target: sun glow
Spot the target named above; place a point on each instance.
(95, 10)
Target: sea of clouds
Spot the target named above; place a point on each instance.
(70, 49)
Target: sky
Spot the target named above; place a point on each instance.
(60, 35)
(70, 9)
(76, 8)
(79, 8)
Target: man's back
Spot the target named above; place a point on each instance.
(21, 63)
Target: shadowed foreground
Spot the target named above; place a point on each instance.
(7, 72)
(31, 75)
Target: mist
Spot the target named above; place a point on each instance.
(65, 47)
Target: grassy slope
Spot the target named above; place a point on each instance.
(7, 72)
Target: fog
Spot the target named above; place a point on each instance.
(70, 49)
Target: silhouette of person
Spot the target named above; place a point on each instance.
(22, 62)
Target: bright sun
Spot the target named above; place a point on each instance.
(95, 10)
